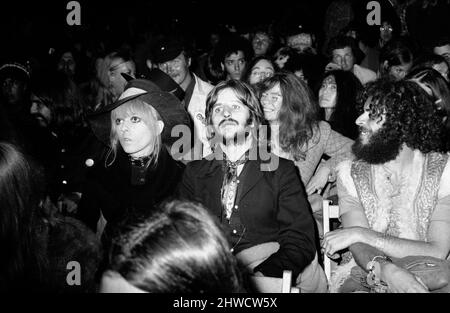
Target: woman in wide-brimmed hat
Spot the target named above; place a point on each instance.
(138, 170)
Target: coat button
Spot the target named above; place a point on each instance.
(234, 231)
(89, 162)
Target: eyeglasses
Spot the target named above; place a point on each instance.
(262, 75)
(386, 28)
(271, 97)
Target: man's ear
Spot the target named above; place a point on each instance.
(149, 64)
(189, 62)
(159, 127)
(385, 65)
(222, 66)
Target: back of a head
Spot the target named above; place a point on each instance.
(179, 248)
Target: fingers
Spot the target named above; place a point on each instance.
(312, 189)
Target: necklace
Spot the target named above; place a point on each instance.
(140, 161)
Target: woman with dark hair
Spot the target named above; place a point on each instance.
(179, 248)
(259, 69)
(337, 99)
(298, 134)
(138, 171)
(437, 88)
(396, 60)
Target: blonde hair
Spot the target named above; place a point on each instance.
(149, 116)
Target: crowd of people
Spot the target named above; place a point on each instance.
(194, 171)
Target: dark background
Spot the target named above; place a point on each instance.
(37, 25)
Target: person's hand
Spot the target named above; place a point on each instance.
(332, 66)
(318, 181)
(400, 280)
(340, 239)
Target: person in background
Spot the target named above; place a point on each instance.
(259, 69)
(297, 133)
(38, 248)
(235, 53)
(439, 91)
(109, 83)
(434, 61)
(262, 42)
(442, 47)
(173, 58)
(396, 60)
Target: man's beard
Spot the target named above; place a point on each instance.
(382, 147)
(238, 138)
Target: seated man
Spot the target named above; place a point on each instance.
(394, 199)
(258, 198)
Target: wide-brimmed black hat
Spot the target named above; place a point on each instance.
(168, 106)
(163, 81)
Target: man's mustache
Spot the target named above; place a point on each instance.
(228, 120)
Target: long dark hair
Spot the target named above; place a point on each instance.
(345, 112)
(298, 113)
(21, 264)
(179, 248)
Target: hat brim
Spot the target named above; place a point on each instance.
(170, 109)
(127, 77)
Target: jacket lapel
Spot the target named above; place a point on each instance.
(249, 177)
(212, 181)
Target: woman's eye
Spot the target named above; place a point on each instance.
(217, 109)
(236, 107)
(119, 121)
(135, 119)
